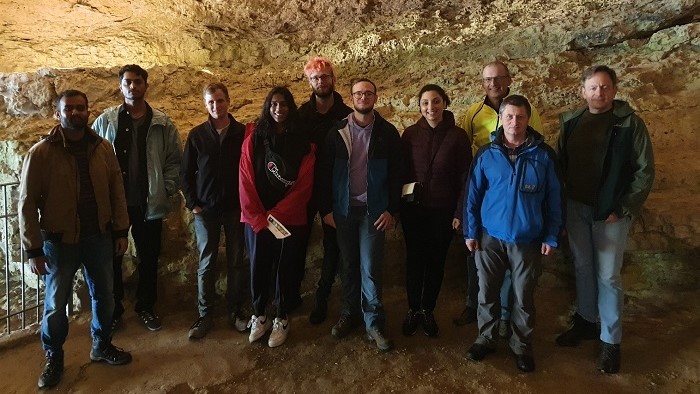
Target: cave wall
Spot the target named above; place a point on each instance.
(50, 45)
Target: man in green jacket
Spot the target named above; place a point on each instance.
(608, 167)
(148, 148)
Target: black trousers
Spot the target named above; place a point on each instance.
(271, 267)
(428, 233)
(147, 238)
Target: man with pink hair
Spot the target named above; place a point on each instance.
(320, 114)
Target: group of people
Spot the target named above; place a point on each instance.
(489, 175)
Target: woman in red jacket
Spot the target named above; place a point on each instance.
(437, 156)
(276, 178)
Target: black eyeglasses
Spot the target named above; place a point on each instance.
(358, 95)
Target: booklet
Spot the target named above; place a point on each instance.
(277, 228)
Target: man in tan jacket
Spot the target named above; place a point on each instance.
(72, 214)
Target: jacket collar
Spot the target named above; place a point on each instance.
(621, 109)
(56, 135)
(448, 122)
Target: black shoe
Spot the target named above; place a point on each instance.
(318, 315)
(580, 329)
(110, 354)
(410, 323)
(467, 316)
(524, 362)
(430, 327)
(150, 320)
(53, 370)
(343, 327)
(201, 327)
(609, 361)
(477, 352)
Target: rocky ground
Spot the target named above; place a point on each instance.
(660, 353)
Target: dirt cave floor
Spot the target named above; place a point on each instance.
(660, 353)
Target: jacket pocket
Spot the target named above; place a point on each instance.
(532, 175)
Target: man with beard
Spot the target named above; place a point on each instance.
(480, 121)
(322, 112)
(360, 197)
(148, 148)
(72, 214)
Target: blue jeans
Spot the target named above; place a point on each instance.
(94, 253)
(598, 248)
(207, 229)
(362, 250)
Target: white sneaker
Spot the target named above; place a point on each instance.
(280, 329)
(259, 325)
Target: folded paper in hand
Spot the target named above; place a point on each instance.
(277, 228)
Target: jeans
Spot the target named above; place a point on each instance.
(147, 238)
(207, 229)
(271, 263)
(94, 253)
(598, 248)
(362, 248)
(493, 260)
(428, 233)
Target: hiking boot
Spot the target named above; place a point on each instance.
(318, 315)
(580, 329)
(467, 316)
(200, 327)
(150, 320)
(343, 327)
(280, 329)
(258, 325)
(609, 360)
(376, 335)
(478, 352)
(430, 327)
(410, 323)
(525, 362)
(110, 354)
(504, 330)
(237, 321)
(53, 370)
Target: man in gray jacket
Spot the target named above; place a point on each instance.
(148, 148)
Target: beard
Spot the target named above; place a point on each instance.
(326, 92)
(364, 111)
(74, 122)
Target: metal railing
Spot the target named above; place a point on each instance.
(21, 303)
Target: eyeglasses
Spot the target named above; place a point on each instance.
(322, 77)
(368, 94)
(496, 79)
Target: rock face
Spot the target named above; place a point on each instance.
(251, 46)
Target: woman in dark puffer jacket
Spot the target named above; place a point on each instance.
(437, 156)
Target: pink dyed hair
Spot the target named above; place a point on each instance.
(317, 63)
